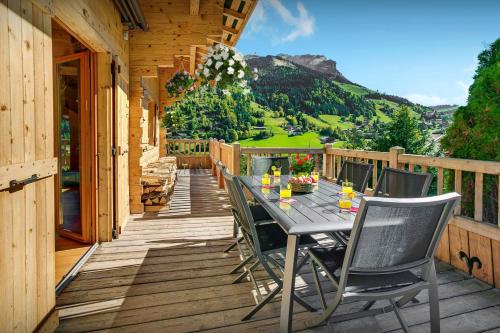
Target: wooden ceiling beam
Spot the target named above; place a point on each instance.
(234, 14)
(194, 7)
(230, 30)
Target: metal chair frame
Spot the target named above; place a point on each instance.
(359, 186)
(247, 225)
(256, 169)
(407, 292)
(386, 174)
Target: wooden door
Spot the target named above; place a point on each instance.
(73, 145)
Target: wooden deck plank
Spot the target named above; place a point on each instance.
(168, 273)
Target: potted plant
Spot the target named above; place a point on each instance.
(179, 84)
(225, 67)
(302, 166)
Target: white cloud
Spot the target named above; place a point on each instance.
(428, 100)
(302, 25)
(431, 100)
(258, 18)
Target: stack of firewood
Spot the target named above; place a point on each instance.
(158, 181)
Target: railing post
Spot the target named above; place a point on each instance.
(394, 153)
(327, 162)
(249, 164)
(220, 178)
(236, 159)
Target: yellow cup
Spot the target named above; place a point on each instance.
(266, 180)
(345, 203)
(285, 193)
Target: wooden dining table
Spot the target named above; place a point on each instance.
(305, 213)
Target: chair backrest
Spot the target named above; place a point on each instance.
(394, 235)
(395, 183)
(241, 209)
(357, 173)
(263, 165)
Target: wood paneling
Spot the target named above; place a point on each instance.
(459, 241)
(26, 230)
(480, 246)
(495, 249)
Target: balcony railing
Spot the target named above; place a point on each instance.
(468, 234)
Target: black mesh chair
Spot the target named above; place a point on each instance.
(266, 243)
(263, 165)
(390, 239)
(357, 173)
(395, 183)
(259, 214)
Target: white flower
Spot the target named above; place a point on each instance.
(209, 62)
(243, 84)
(217, 57)
(230, 70)
(218, 77)
(200, 67)
(225, 55)
(231, 62)
(243, 63)
(238, 56)
(241, 74)
(197, 74)
(218, 64)
(225, 92)
(256, 77)
(255, 70)
(217, 46)
(246, 91)
(206, 71)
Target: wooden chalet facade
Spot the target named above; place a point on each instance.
(81, 100)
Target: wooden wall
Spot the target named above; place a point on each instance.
(27, 244)
(172, 32)
(26, 135)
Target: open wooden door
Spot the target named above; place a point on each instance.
(74, 144)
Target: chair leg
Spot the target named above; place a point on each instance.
(318, 285)
(245, 273)
(401, 320)
(367, 306)
(233, 245)
(304, 304)
(259, 306)
(434, 301)
(243, 263)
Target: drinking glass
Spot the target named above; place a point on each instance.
(346, 187)
(276, 171)
(266, 180)
(315, 175)
(345, 203)
(285, 191)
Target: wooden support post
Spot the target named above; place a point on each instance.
(458, 189)
(249, 164)
(327, 162)
(440, 181)
(236, 159)
(220, 178)
(478, 197)
(394, 153)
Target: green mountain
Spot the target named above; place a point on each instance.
(307, 94)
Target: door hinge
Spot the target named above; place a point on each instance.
(113, 151)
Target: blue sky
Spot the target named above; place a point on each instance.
(423, 50)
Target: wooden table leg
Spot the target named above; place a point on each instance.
(286, 316)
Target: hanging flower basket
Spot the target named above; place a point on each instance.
(179, 84)
(225, 67)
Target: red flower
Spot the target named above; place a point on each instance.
(297, 157)
(299, 162)
(310, 156)
(291, 168)
(306, 159)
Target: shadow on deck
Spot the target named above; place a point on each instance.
(168, 273)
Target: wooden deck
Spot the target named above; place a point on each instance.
(167, 273)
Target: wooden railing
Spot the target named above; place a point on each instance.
(190, 154)
(470, 235)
